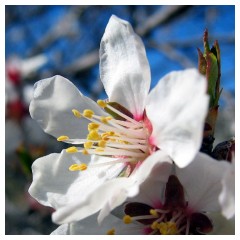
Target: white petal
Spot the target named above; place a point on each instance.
(110, 194)
(95, 200)
(177, 108)
(63, 229)
(150, 177)
(124, 68)
(52, 104)
(222, 226)
(152, 190)
(89, 226)
(201, 180)
(227, 196)
(54, 185)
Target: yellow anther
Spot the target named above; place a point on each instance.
(93, 126)
(104, 120)
(127, 219)
(88, 145)
(76, 113)
(109, 118)
(62, 138)
(94, 136)
(154, 212)
(168, 228)
(85, 152)
(101, 103)
(99, 149)
(154, 225)
(78, 167)
(88, 113)
(111, 232)
(106, 138)
(71, 150)
(102, 144)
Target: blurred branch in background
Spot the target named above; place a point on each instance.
(173, 54)
(63, 28)
(161, 16)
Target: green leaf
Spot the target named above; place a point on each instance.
(212, 76)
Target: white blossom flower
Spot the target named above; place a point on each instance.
(170, 118)
(227, 195)
(185, 201)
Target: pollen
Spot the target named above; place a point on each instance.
(88, 145)
(101, 103)
(62, 138)
(105, 119)
(127, 219)
(111, 232)
(154, 213)
(168, 228)
(71, 150)
(94, 136)
(88, 113)
(106, 135)
(85, 152)
(93, 126)
(78, 167)
(102, 144)
(76, 113)
(154, 225)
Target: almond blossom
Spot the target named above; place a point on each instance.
(184, 202)
(117, 137)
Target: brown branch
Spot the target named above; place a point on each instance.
(161, 16)
(172, 54)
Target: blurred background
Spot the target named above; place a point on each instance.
(42, 41)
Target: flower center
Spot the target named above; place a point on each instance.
(171, 218)
(122, 138)
(159, 221)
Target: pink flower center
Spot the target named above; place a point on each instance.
(171, 218)
(117, 136)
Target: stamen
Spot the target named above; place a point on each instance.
(93, 135)
(76, 113)
(104, 120)
(102, 143)
(71, 150)
(85, 152)
(62, 138)
(88, 145)
(123, 115)
(101, 103)
(168, 228)
(118, 152)
(154, 225)
(124, 141)
(88, 113)
(78, 167)
(93, 126)
(122, 160)
(154, 213)
(99, 149)
(111, 232)
(187, 227)
(127, 219)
